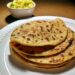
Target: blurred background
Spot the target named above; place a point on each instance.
(65, 8)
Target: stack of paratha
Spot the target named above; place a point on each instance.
(44, 44)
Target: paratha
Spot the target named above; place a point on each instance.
(41, 33)
(56, 50)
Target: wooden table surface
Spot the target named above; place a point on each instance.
(43, 8)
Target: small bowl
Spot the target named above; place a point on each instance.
(21, 13)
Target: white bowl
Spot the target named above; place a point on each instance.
(21, 13)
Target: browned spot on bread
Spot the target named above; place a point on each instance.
(18, 32)
(48, 30)
(47, 25)
(21, 26)
(61, 36)
(28, 39)
(41, 28)
(13, 35)
(47, 39)
(53, 37)
(60, 31)
(23, 36)
(31, 35)
(70, 54)
(28, 23)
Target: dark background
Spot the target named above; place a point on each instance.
(65, 8)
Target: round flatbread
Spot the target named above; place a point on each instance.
(31, 34)
(40, 33)
(56, 50)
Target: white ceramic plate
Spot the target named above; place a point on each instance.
(6, 68)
